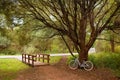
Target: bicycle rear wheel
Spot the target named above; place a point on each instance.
(88, 65)
(73, 65)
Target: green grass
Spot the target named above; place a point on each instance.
(9, 68)
(107, 60)
(55, 59)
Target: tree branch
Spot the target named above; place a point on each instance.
(109, 19)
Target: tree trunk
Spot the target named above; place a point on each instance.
(83, 55)
(112, 45)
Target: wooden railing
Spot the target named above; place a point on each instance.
(35, 60)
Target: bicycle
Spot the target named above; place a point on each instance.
(74, 64)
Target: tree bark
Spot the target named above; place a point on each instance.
(112, 44)
(83, 55)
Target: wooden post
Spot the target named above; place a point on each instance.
(25, 58)
(33, 60)
(43, 57)
(48, 58)
(29, 59)
(22, 57)
(39, 57)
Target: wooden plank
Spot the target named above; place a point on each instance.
(40, 64)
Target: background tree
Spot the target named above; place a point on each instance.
(80, 20)
(111, 35)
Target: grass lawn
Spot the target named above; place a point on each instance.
(55, 59)
(9, 68)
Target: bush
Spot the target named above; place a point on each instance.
(30, 49)
(8, 52)
(117, 49)
(4, 41)
(106, 60)
(110, 60)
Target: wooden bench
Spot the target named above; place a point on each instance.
(36, 60)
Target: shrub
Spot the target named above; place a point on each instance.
(4, 42)
(117, 49)
(107, 60)
(8, 52)
(30, 49)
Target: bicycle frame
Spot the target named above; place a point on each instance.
(80, 64)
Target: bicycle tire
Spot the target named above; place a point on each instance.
(73, 65)
(88, 65)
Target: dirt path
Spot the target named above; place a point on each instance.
(60, 71)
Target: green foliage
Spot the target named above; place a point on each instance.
(24, 35)
(117, 49)
(58, 46)
(43, 45)
(8, 52)
(4, 41)
(30, 49)
(107, 60)
(102, 46)
(2, 21)
(10, 67)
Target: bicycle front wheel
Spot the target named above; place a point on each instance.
(73, 65)
(88, 65)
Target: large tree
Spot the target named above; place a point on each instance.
(82, 21)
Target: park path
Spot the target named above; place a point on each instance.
(60, 71)
(19, 57)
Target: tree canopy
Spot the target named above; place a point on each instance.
(82, 21)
